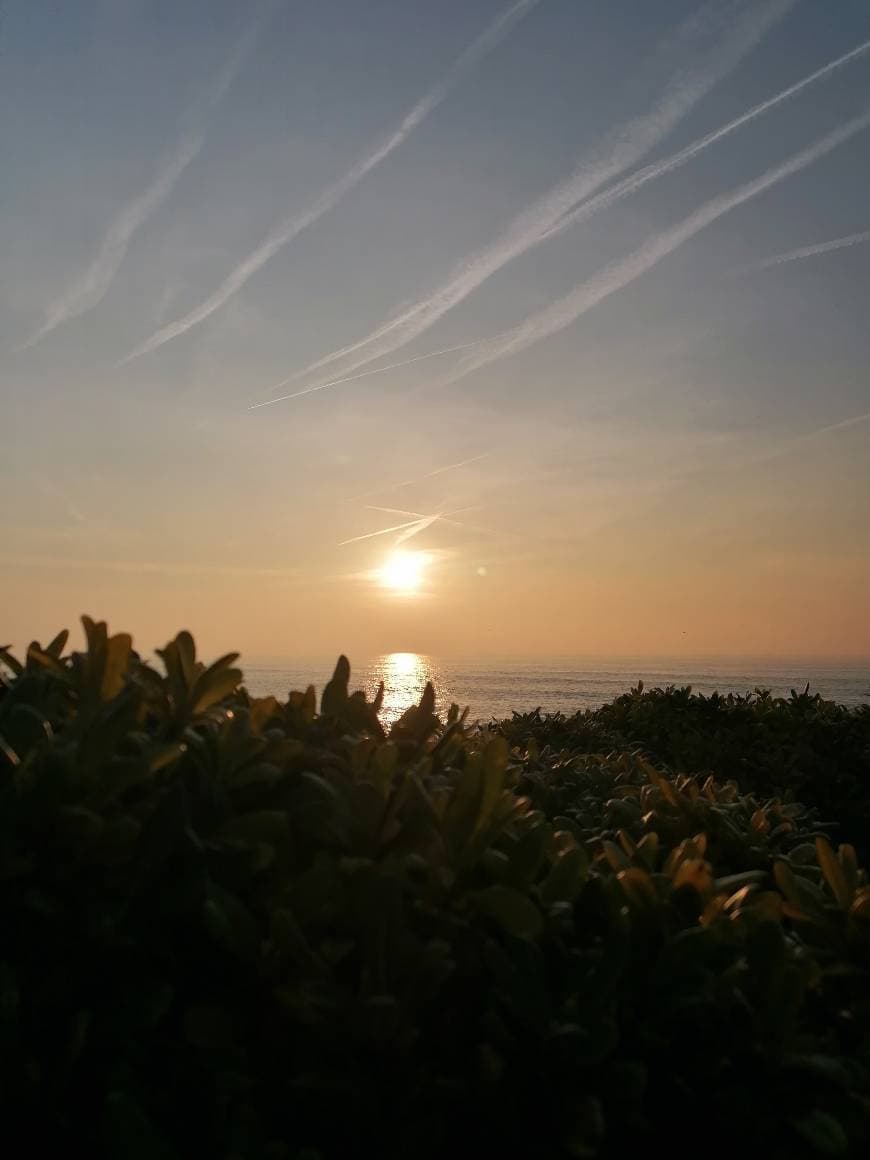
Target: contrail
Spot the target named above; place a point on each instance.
(363, 374)
(624, 149)
(807, 252)
(614, 193)
(419, 524)
(621, 273)
(448, 467)
(294, 224)
(427, 475)
(372, 507)
(422, 516)
(855, 421)
(93, 283)
(798, 442)
(419, 527)
(637, 180)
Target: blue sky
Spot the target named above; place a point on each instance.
(699, 420)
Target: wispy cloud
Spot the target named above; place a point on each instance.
(294, 224)
(92, 285)
(733, 38)
(807, 252)
(616, 275)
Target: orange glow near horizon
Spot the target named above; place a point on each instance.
(423, 393)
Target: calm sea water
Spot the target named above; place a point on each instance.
(495, 689)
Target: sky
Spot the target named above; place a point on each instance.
(634, 239)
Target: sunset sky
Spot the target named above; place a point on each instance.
(645, 227)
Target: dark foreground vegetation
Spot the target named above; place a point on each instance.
(243, 928)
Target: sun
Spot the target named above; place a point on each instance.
(402, 572)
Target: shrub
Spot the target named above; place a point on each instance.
(800, 748)
(241, 927)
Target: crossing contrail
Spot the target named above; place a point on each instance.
(418, 524)
(365, 374)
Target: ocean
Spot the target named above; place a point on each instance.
(493, 689)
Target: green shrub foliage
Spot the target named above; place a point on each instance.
(801, 747)
(239, 927)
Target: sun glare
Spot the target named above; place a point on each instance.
(402, 572)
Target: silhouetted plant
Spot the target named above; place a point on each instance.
(241, 927)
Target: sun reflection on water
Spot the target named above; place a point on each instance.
(404, 675)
